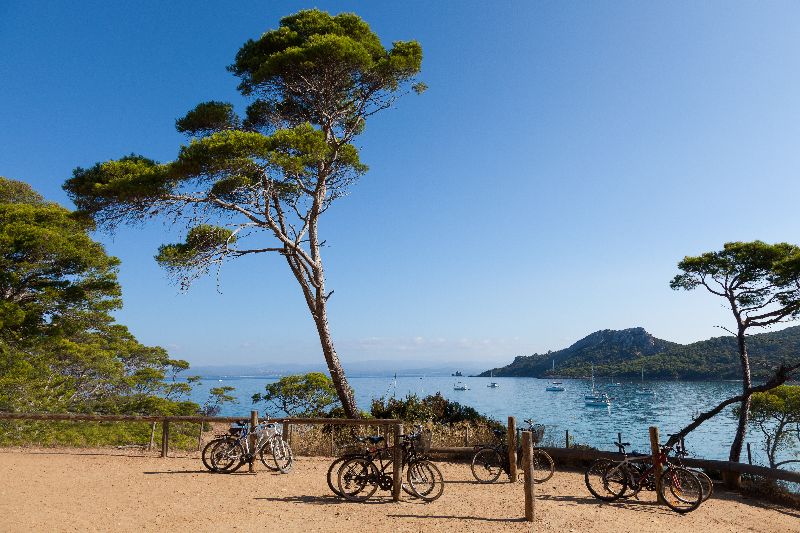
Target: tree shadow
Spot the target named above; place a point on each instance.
(628, 504)
(322, 500)
(110, 453)
(755, 501)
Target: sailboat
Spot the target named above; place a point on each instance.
(460, 385)
(594, 399)
(492, 384)
(643, 391)
(556, 385)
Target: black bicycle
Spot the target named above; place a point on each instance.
(491, 460)
(360, 477)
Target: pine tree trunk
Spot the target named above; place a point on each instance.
(734, 479)
(338, 377)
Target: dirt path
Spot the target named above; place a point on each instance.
(77, 491)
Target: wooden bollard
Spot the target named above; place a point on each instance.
(164, 438)
(527, 467)
(253, 440)
(397, 459)
(656, 451)
(287, 433)
(512, 448)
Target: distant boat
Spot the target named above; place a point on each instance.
(594, 395)
(643, 391)
(598, 401)
(492, 384)
(555, 387)
(460, 386)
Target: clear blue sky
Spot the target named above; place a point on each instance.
(565, 157)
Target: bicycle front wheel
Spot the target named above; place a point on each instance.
(543, 466)
(281, 454)
(265, 454)
(606, 480)
(227, 455)
(425, 480)
(680, 490)
(487, 465)
(358, 479)
(705, 482)
(206, 455)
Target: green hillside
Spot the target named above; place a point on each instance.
(624, 353)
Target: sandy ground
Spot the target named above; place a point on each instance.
(103, 491)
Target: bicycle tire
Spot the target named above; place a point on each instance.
(606, 480)
(337, 463)
(358, 479)
(281, 454)
(425, 480)
(227, 456)
(681, 491)
(705, 483)
(264, 453)
(544, 466)
(487, 465)
(205, 456)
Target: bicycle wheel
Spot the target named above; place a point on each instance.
(265, 454)
(681, 490)
(543, 466)
(705, 483)
(333, 474)
(281, 454)
(606, 480)
(206, 455)
(358, 479)
(487, 465)
(227, 455)
(425, 480)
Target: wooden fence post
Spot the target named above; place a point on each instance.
(253, 441)
(656, 451)
(200, 437)
(164, 437)
(527, 467)
(466, 436)
(512, 448)
(397, 467)
(749, 454)
(566, 439)
(287, 433)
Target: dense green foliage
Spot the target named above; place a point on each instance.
(434, 408)
(272, 172)
(624, 354)
(306, 395)
(60, 348)
(776, 414)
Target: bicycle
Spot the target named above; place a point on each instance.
(610, 480)
(491, 460)
(360, 477)
(705, 482)
(229, 452)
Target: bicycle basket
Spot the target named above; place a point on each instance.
(537, 433)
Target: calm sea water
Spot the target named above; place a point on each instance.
(673, 406)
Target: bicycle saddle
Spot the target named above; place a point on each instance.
(373, 439)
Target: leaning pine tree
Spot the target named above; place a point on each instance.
(760, 284)
(259, 183)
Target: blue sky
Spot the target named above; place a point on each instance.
(565, 157)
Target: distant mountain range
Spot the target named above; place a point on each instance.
(623, 354)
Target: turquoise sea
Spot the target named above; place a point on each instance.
(673, 406)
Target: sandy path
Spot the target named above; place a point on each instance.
(63, 491)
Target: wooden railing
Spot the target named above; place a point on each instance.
(574, 454)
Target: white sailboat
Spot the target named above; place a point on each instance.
(643, 391)
(595, 399)
(492, 384)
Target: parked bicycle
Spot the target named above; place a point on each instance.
(359, 477)
(229, 452)
(491, 460)
(705, 482)
(609, 480)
